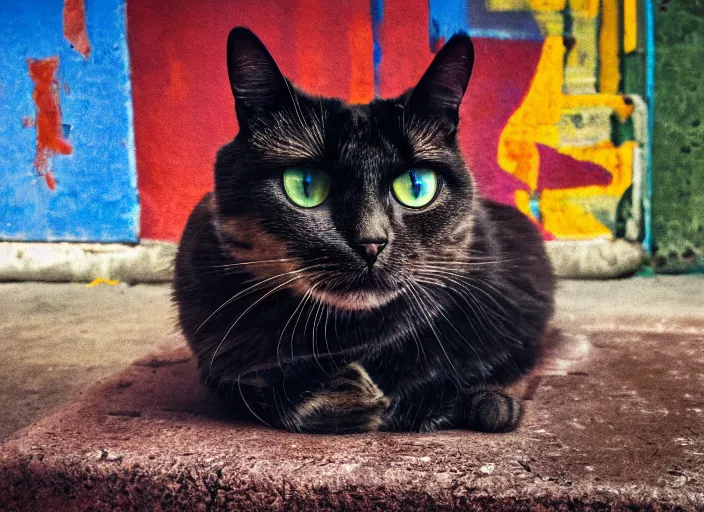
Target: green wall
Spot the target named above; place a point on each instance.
(678, 141)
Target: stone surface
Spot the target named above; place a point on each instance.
(614, 421)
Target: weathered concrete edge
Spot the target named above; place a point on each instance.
(597, 259)
(147, 262)
(152, 262)
(31, 482)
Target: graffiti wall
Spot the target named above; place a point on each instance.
(546, 125)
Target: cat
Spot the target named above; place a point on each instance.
(345, 275)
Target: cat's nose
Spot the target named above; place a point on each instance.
(370, 250)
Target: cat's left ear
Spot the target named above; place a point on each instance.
(441, 89)
(256, 81)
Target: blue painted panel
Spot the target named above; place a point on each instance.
(449, 17)
(502, 25)
(377, 11)
(96, 194)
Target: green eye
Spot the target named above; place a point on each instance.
(416, 188)
(305, 187)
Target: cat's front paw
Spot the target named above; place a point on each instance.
(491, 410)
(350, 402)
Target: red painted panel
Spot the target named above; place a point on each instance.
(184, 110)
(405, 44)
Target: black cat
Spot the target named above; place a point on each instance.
(345, 275)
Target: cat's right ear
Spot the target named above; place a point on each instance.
(439, 92)
(256, 81)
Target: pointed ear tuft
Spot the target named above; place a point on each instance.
(439, 92)
(256, 81)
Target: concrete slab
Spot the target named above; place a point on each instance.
(152, 262)
(146, 262)
(57, 340)
(615, 421)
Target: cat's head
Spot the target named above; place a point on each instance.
(344, 202)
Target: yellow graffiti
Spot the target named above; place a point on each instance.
(547, 5)
(630, 26)
(615, 102)
(569, 107)
(99, 280)
(540, 119)
(583, 61)
(609, 74)
(587, 8)
(535, 120)
(569, 213)
(525, 5)
(547, 13)
(581, 65)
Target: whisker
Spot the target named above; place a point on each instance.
(283, 331)
(300, 313)
(254, 262)
(316, 322)
(250, 267)
(251, 289)
(325, 333)
(467, 263)
(420, 288)
(267, 294)
(334, 323)
(485, 313)
(431, 326)
(452, 290)
(419, 344)
(239, 386)
(466, 286)
(466, 279)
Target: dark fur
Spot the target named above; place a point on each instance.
(466, 288)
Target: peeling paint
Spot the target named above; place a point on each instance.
(50, 139)
(75, 26)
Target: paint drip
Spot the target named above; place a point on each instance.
(50, 139)
(75, 26)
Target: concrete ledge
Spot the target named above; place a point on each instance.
(613, 422)
(598, 259)
(147, 262)
(151, 262)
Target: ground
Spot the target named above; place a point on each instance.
(614, 418)
(58, 339)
